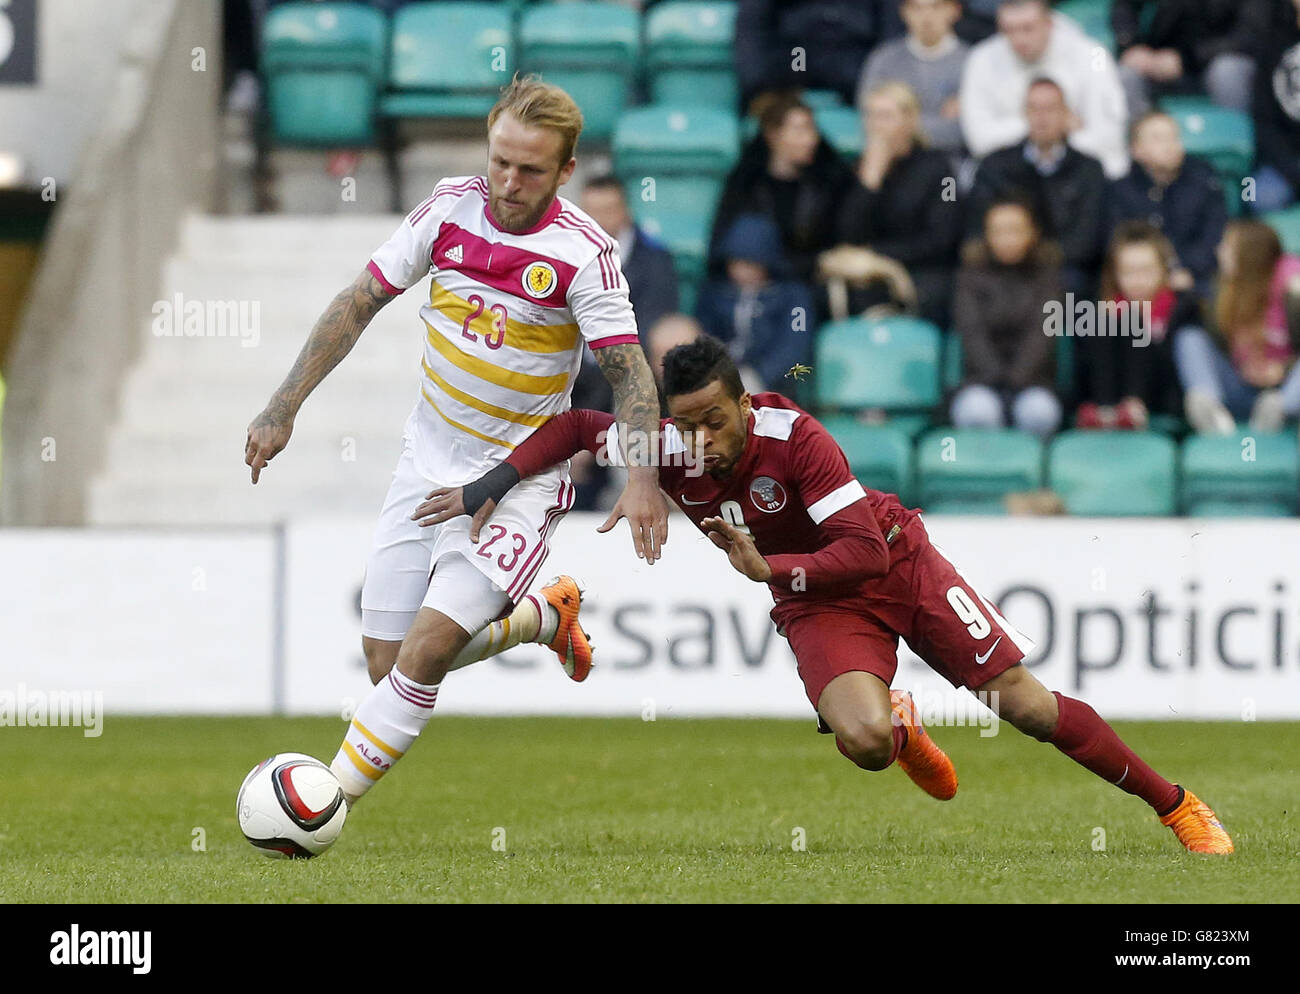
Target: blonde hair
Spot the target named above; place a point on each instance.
(534, 103)
(906, 100)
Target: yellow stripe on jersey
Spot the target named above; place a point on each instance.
(505, 414)
(366, 769)
(541, 386)
(465, 428)
(376, 740)
(527, 337)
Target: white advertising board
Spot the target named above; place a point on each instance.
(1142, 618)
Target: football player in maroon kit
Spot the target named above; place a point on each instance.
(850, 570)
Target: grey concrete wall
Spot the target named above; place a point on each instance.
(151, 158)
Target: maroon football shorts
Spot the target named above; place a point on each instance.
(923, 598)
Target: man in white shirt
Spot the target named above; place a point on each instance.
(1033, 42)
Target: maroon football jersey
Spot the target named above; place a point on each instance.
(791, 477)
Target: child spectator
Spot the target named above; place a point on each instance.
(898, 207)
(1180, 196)
(1129, 370)
(1255, 310)
(764, 317)
(1006, 279)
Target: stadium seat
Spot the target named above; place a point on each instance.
(880, 456)
(819, 99)
(688, 55)
(969, 471)
(842, 127)
(686, 236)
(1240, 475)
(323, 64)
(1114, 474)
(1223, 137)
(1287, 225)
(449, 59)
(890, 364)
(673, 159)
(592, 50)
(1094, 17)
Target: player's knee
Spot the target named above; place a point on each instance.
(381, 656)
(425, 657)
(1035, 715)
(867, 744)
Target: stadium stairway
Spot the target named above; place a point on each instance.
(175, 455)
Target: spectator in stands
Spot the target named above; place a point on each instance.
(792, 174)
(764, 317)
(647, 265)
(665, 334)
(813, 44)
(1187, 46)
(903, 205)
(1180, 196)
(652, 288)
(1276, 110)
(1066, 187)
(1257, 313)
(929, 60)
(1006, 279)
(1033, 42)
(1127, 364)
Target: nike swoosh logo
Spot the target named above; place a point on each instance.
(981, 660)
(687, 500)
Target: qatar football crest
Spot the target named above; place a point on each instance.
(768, 495)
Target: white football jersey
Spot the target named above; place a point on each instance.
(504, 323)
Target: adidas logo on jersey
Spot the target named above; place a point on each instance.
(456, 254)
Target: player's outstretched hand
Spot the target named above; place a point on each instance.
(739, 547)
(446, 503)
(646, 510)
(267, 435)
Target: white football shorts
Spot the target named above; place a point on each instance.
(412, 567)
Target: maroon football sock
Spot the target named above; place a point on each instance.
(1083, 736)
(900, 740)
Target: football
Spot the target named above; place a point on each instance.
(291, 806)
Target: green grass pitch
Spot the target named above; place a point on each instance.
(631, 811)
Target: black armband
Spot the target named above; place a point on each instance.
(492, 485)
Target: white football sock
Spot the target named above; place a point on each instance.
(383, 728)
(533, 620)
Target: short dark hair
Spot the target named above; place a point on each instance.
(605, 181)
(696, 364)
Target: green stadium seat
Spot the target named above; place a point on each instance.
(673, 159)
(820, 99)
(686, 236)
(842, 127)
(323, 64)
(1287, 225)
(891, 364)
(880, 456)
(1224, 137)
(1094, 17)
(1116, 474)
(952, 353)
(592, 50)
(688, 56)
(971, 470)
(1240, 475)
(449, 59)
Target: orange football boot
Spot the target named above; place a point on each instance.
(571, 643)
(1197, 827)
(922, 760)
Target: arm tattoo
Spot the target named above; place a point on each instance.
(636, 400)
(336, 331)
